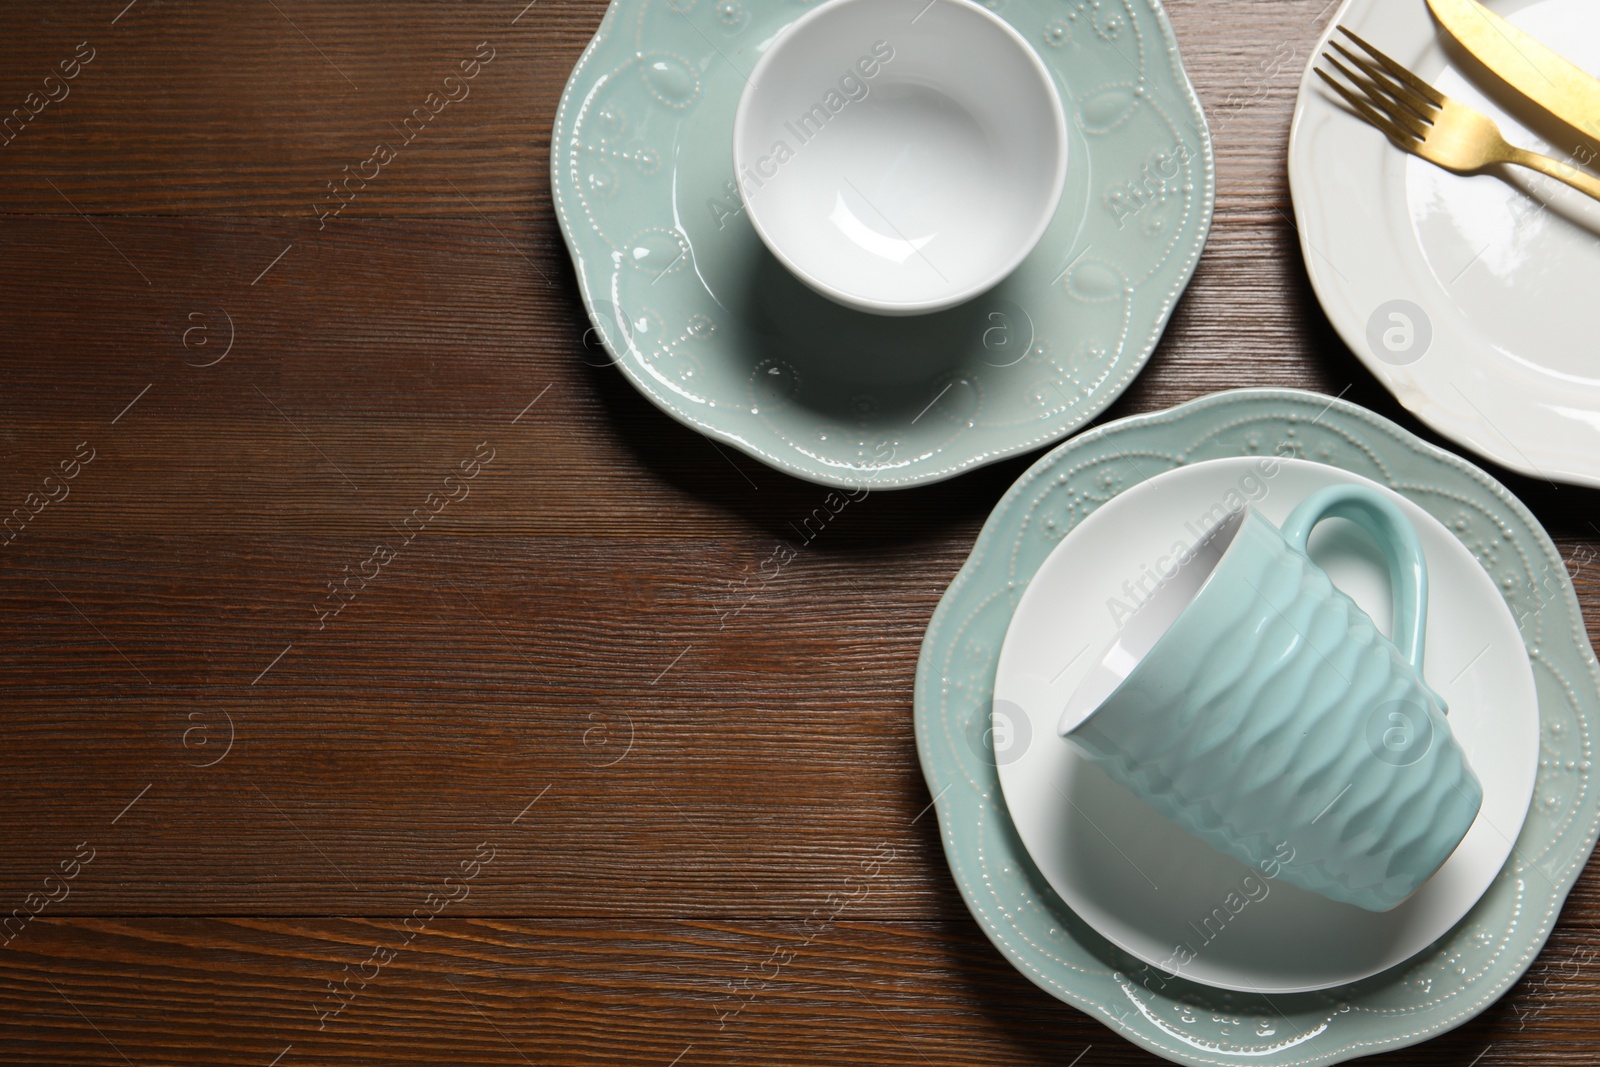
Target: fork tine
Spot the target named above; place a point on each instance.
(1394, 110)
(1400, 137)
(1413, 100)
(1433, 95)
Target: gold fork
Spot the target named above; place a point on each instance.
(1422, 120)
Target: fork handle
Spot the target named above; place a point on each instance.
(1582, 181)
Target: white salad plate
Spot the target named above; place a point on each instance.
(1145, 884)
(1470, 298)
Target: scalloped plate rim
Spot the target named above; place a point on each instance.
(825, 476)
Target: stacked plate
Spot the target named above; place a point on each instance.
(1093, 895)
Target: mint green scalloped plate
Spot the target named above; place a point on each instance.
(701, 318)
(1441, 988)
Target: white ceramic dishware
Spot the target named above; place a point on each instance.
(1147, 885)
(900, 156)
(1469, 297)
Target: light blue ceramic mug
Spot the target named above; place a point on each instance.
(1258, 706)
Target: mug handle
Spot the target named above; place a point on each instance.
(1389, 527)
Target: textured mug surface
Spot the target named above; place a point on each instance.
(1272, 718)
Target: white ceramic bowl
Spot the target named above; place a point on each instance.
(900, 156)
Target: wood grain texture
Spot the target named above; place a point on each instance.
(580, 664)
(189, 108)
(553, 992)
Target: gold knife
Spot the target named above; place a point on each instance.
(1533, 69)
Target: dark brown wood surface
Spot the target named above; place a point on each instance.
(549, 683)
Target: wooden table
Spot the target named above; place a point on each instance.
(536, 713)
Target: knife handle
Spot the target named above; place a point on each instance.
(1582, 181)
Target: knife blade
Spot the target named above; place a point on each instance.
(1532, 68)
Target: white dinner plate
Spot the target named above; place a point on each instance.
(1141, 881)
(1470, 298)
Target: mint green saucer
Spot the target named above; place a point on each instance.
(1442, 987)
(706, 323)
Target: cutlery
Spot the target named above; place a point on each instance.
(1533, 69)
(1421, 120)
